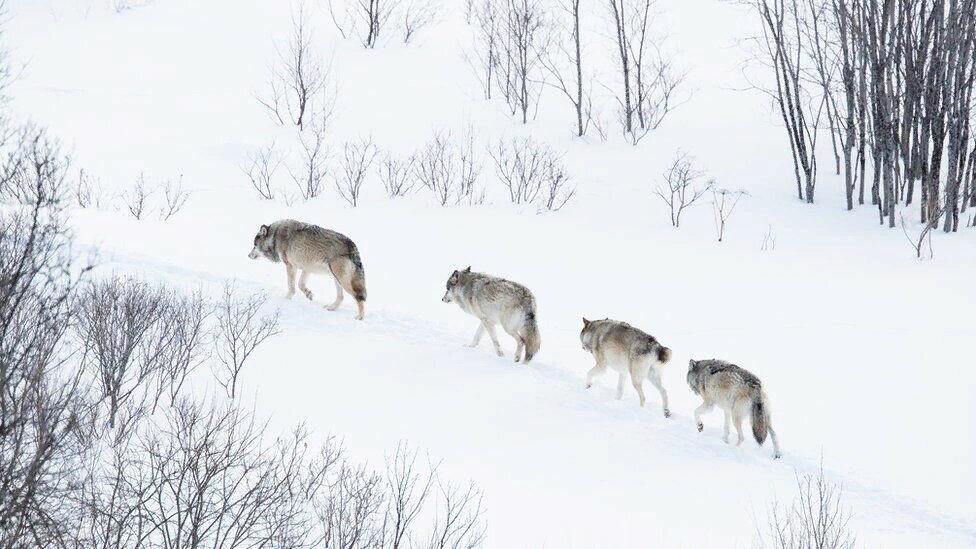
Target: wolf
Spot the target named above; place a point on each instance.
(497, 301)
(628, 351)
(738, 392)
(313, 250)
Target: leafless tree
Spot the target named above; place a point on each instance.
(309, 176)
(175, 197)
(817, 518)
(563, 63)
(299, 86)
(924, 236)
(409, 487)
(136, 198)
(396, 175)
(532, 172)
(458, 524)
(723, 204)
(45, 410)
(355, 163)
(486, 58)
(681, 187)
(522, 43)
(130, 341)
(260, 169)
(649, 78)
(241, 328)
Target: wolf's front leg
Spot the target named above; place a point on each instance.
(477, 336)
(703, 409)
(725, 430)
(290, 273)
(339, 295)
(494, 338)
(595, 371)
(301, 286)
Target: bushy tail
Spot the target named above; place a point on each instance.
(663, 354)
(530, 336)
(759, 426)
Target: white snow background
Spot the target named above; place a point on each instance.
(866, 353)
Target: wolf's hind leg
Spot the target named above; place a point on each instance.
(705, 407)
(737, 420)
(637, 373)
(772, 436)
(490, 328)
(477, 336)
(519, 347)
(656, 380)
(338, 299)
(621, 379)
(301, 286)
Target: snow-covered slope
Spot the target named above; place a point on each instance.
(864, 351)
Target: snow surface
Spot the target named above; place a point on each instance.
(866, 353)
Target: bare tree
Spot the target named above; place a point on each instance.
(723, 204)
(299, 86)
(817, 518)
(924, 236)
(355, 163)
(486, 58)
(521, 52)
(136, 198)
(261, 168)
(532, 173)
(681, 188)
(395, 174)
(563, 62)
(240, 329)
(459, 524)
(175, 197)
(649, 79)
(123, 325)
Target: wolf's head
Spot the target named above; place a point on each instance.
(586, 336)
(264, 245)
(452, 283)
(693, 375)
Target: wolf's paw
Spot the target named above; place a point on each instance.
(777, 455)
(667, 413)
(360, 317)
(701, 427)
(518, 359)
(499, 353)
(331, 307)
(308, 293)
(587, 385)
(289, 295)
(470, 345)
(726, 440)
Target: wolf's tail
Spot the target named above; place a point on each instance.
(663, 354)
(530, 336)
(759, 425)
(358, 277)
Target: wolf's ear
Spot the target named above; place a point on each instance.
(585, 322)
(263, 231)
(468, 270)
(691, 363)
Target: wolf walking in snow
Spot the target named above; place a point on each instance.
(627, 350)
(313, 250)
(497, 301)
(738, 392)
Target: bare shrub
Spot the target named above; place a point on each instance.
(449, 169)
(458, 523)
(769, 241)
(310, 176)
(469, 170)
(136, 198)
(260, 169)
(174, 198)
(415, 16)
(680, 188)
(723, 204)
(817, 518)
(396, 175)
(240, 329)
(924, 236)
(87, 191)
(356, 161)
(532, 173)
(299, 86)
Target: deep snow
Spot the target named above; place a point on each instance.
(866, 353)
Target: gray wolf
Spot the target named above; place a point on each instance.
(313, 250)
(737, 392)
(627, 350)
(494, 301)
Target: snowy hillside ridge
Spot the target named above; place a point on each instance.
(177, 132)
